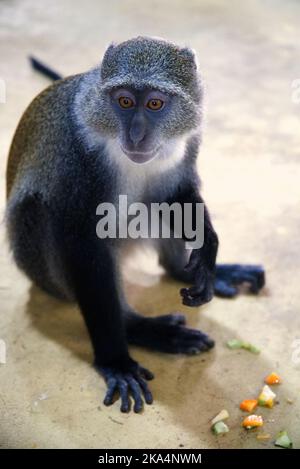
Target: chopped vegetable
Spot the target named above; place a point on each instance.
(273, 378)
(266, 397)
(248, 405)
(219, 428)
(289, 401)
(263, 436)
(223, 415)
(283, 440)
(252, 348)
(252, 421)
(237, 344)
(234, 344)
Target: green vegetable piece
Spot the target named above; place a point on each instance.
(250, 347)
(234, 344)
(283, 440)
(237, 344)
(219, 428)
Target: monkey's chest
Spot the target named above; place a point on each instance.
(142, 186)
(134, 204)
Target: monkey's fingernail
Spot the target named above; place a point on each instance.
(184, 291)
(148, 375)
(138, 407)
(125, 407)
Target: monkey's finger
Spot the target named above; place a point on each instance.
(196, 296)
(189, 334)
(224, 289)
(173, 318)
(243, 277)
(125, 402)
(208, 340)
(203, 344)
(111, 388)
(192, 291)
(196, 300)
(184, 292)
(136, 394)
(238, 270)
(146, 391)
(259, 274)
(148, 375)
(186, 295)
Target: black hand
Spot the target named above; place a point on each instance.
(203, 289)
(202, 260)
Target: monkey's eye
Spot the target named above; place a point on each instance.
(155, 104)
(125, 102)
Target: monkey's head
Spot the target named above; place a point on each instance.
(149, 93)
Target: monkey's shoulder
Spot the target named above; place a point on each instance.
(44, 131)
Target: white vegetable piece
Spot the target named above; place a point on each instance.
(223, 415)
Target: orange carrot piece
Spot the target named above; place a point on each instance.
(253, 421)
(248, 405)
(273, 378)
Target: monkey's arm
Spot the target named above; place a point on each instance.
(92, 274)
(201, 266)
(227, 277)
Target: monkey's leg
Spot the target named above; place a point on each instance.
(93, 276)
(166, 334)
(30, 238)
(174, 257)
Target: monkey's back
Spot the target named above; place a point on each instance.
(42, 136)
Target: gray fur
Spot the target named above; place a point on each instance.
(141, 63)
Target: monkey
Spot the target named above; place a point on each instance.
(130, 125)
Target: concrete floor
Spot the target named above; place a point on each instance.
(50, 396)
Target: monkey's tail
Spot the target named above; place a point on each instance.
(44, 69)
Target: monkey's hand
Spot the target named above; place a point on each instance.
(204, 277)
(127, 380)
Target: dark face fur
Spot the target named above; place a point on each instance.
(141, 114)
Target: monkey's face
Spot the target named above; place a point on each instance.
(147, 119)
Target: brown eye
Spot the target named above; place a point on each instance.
(155, 104)
(125, 102)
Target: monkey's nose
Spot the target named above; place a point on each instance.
(137, 131)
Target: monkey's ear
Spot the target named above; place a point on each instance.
(106, 67)
(190, 56)
(109, 51)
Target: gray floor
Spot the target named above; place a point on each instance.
(249, 56)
